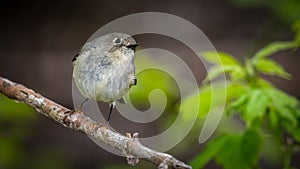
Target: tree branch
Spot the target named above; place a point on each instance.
(129, 146)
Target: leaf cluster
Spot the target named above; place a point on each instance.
(263, 108)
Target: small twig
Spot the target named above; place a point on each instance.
(130, 146)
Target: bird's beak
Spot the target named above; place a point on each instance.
(133, 46)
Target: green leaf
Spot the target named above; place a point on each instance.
(238, 104)
(294, 127)
(285, 105)
(250, 146)
(236, 72)
(212, 149)
(296, 28)
(256, 106)
(236, 97)
(252, 105)
(242, 149)
(274, 118)
(225, 63)
(270, 67)
(204, 99)
(232, 151)
(273, 48)
(293, 130)
(235, 90)
(263, 83)
(220, 58)
(213, 73)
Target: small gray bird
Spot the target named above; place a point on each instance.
(104, 68)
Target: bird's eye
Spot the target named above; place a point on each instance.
(117, 41)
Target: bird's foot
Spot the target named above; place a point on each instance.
(69, 114)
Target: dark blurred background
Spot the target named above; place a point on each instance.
(39, 39)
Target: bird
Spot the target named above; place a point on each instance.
(103, 70)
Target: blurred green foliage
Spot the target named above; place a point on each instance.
(287, 11)
(266, 111)
(139, 94)
(16, 128)
(241, 151)
(14, 111)
(150, 79)
(13, 115)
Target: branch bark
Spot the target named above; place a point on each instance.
(128, 145)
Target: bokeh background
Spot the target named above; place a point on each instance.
(39, 39)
